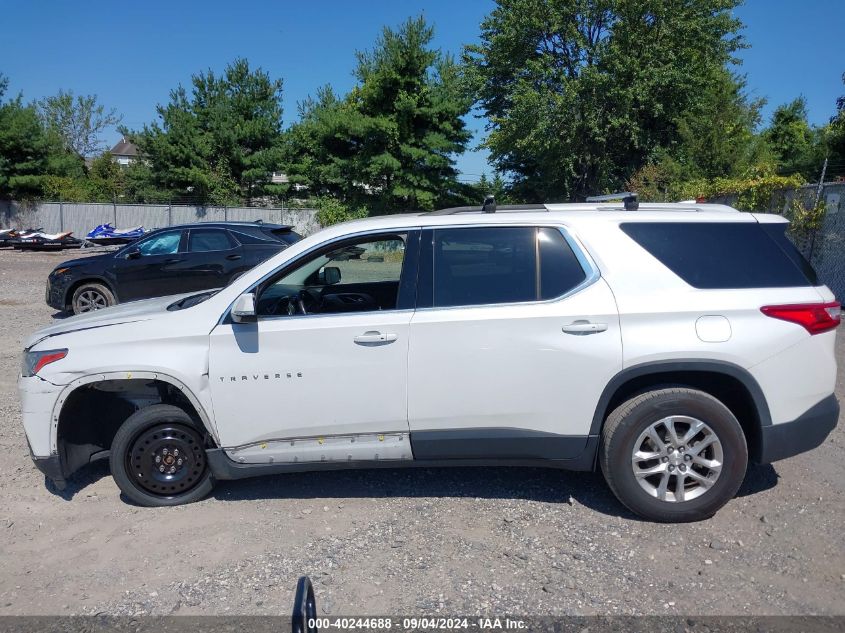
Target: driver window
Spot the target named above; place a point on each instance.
(354, 276)
(166, 243)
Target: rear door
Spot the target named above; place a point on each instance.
(514, 338)
(151, 267)
(213, 256)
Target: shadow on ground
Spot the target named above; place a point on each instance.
(529, 484)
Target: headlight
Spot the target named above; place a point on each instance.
(59, 271)
(33, 362)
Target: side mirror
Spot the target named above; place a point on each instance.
(135, 253)
(330, 275)
(244, 308)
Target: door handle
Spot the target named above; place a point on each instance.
(584, 327)
(375, 338)
(173, 260)
(233, 257)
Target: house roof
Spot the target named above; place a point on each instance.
(124, 148)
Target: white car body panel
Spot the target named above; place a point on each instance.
(291, 377)
(512, 366)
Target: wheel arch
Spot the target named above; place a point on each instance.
(119, 394)
(731, 384)
(68, 298)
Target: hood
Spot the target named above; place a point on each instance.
(133, 311)
(82, 261)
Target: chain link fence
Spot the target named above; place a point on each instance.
(825, 246)
(80, 218)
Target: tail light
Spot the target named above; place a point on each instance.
(813, 317)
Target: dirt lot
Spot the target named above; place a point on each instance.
(520, 541)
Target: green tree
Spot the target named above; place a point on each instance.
(29, 154)
(107, 179)
(580, 94)
(79, 121)
(390, 144)
(220, 143)
(496, 187)
(794, 143)
(834, 137)
(717, 136)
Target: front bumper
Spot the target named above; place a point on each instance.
(38, 399)
(779, 441)
(56, 291)
(52, 468)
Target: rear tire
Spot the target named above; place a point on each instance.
(91, 296)
(158, 458)
(673, 455)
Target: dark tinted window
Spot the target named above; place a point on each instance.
(560, 270)
(777, 231)
(284, 235)
(719, 254)
(250, 238)
(484, 265)
(202, 240)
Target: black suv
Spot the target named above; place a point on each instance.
(173, 260)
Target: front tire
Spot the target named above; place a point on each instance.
(91, 296)
(673, 455)
(158, 458)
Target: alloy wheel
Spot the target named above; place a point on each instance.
(678, 458)
(91, 300)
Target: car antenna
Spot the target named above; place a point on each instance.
(629, 199)
(489, 205)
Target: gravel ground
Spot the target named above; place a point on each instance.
(468, 541)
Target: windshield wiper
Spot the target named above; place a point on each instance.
(189, 302)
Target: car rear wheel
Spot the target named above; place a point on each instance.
(91, 296)
(673, 455)
(158, 458)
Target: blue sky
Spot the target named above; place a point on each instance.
(132, 53)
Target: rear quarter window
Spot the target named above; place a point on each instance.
(286, 236)
(724, 255)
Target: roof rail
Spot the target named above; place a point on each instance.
(628, 198)
(500, 207)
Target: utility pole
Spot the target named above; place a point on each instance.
(821, 183)
(819, 190)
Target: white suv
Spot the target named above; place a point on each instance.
(665, 345)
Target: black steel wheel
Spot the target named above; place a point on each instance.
(158, 458)
(166, 459)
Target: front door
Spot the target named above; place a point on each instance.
(322, 374)
(514, 338)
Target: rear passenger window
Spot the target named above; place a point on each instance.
(490, 265)
(719, 255)
(204, 240)
(484, 265)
